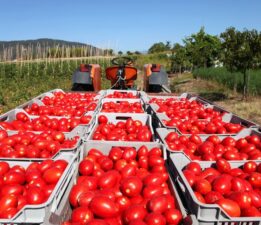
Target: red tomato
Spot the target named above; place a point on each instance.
(4, 167)
(243, 199)
(212, 196)
(230, 207)
(115, 153)
(109, 179)
(255, 179)
(251, 212)
(223, 166)
(158, 204)
(75, 193)
(222, 184)
(134, 212)
(35, 196)
(194, 167)
(173, 216)
(82, 215)
(86, 167)
(104, 207)
(202, 186)
(12, 177)
(155, 219)
(52, 175)
(249, 167)
(131, 186)
(102, 119)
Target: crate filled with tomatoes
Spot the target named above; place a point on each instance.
(221, 191)
(125, 184)
(129, 127)
(31, 191)
(244, 146)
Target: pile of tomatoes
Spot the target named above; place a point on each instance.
(63, 110)
(122, 107)
(44, 123)
(131, 130)
(214, 126)
(236, 190)
(32, 145)
(27, 186)
(119, 94)
(127, 186)
(213, 148)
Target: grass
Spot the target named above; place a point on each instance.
(220, 95)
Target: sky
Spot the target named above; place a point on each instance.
(123, 25)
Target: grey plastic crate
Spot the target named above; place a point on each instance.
(158, 119)
(43, 213)
(111, 91)
(121, 100)
(29, 103)
(78, 147)
(81, 129)
(105, 147)
(206, 213)
(116, 117)
(163, 132)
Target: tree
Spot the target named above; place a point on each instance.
(159, 47)
(179, 58)
(202, 49)
(120, 52)
(129, 53)
(137, 53)
(241, 52)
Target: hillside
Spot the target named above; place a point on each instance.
(44, 47)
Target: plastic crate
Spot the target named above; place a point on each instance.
(111, 91)
(81, 129)
(43, 213)
(121, 100)
(158, 119)
(74, 150)
(116, 117)
(205, 213)
(163, 132)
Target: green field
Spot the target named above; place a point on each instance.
(233, 81)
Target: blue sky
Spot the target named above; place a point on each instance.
(123, 25)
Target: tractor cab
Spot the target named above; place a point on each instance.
(155, 78)
(122, 74)
(87, 78)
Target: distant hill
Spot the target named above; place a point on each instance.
(45, 47)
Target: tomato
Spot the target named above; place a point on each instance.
(15, 189)
(8, 201)
(243, 199)
(61, 164)
(158, 204)
(230, 207)
(109, 179)
(194, 167)
(86, 167)
(137, 222)
(8, 213)
(202, 186)
(75, 193)
(13, 178)
(153, 179)
(89, 182)
(222, 184)
(115, 153)
(155, 219)
(128, 170)
(223, 166)
(4, 167)
(3, 135)
(82, 215)
(255, 179)
(249, 167)
(238, 184)
(104, 207)
(251, 212)
(52, 175)
(212, 196)
(102, 119)
(123, 202)
(255, 198)
(134, 212)
(173, 216)
(199, 197)
(35, 196)
(190, 176)
(131, 186)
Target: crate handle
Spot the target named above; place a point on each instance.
(245, 123)
(123, 117)
(4, 118)
(181, 185)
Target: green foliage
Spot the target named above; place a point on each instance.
(241, 52)
(202, 49)
(233, 81)
(159, 47)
